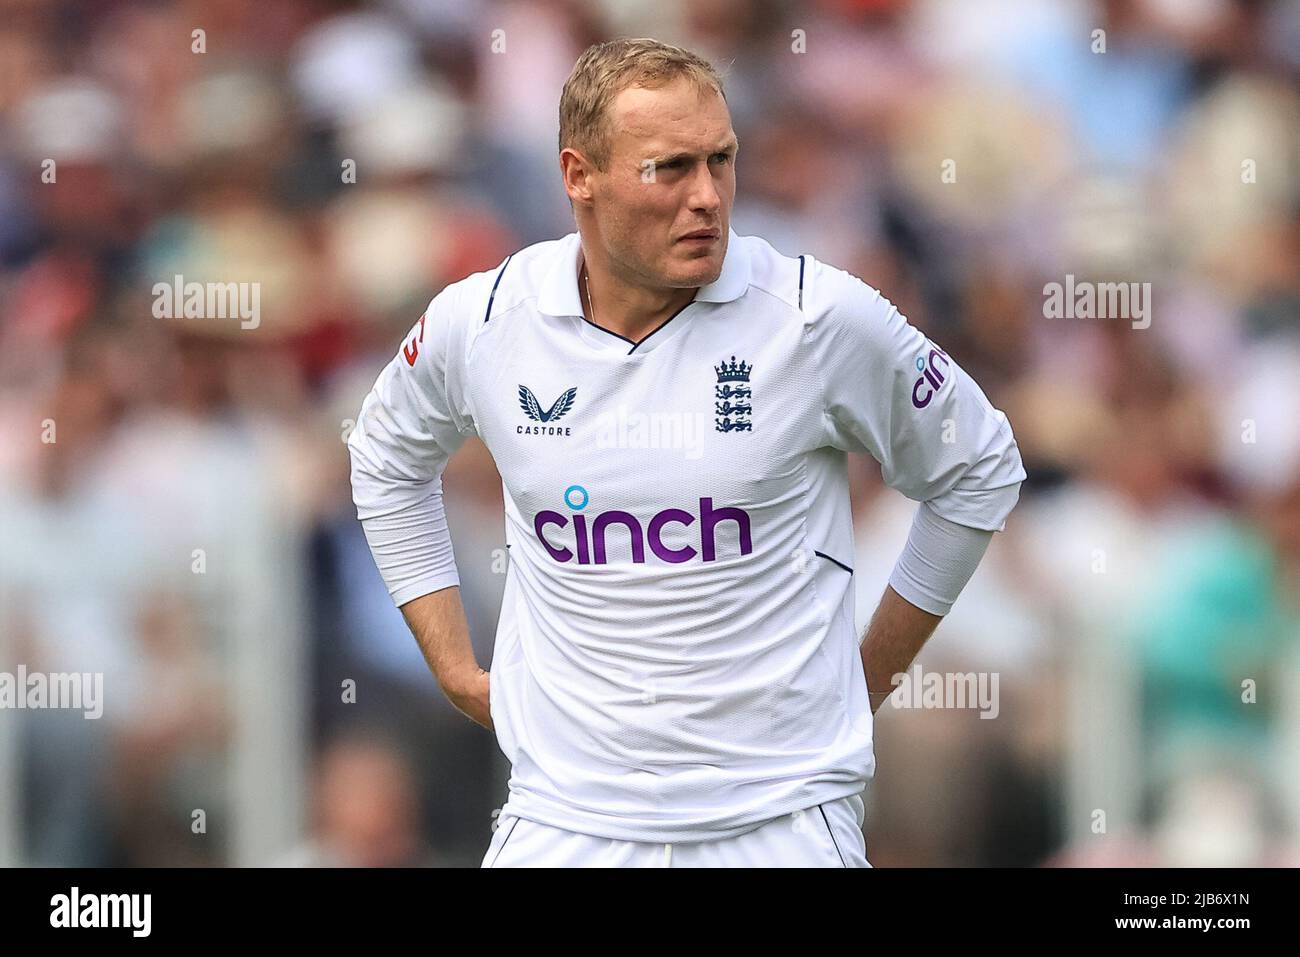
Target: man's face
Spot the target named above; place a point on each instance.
(663, 202)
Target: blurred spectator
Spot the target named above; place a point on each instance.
(365, 810)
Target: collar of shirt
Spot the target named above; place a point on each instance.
(559, 294)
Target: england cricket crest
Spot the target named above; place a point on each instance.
(732, 394)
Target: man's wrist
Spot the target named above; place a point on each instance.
(464, 682)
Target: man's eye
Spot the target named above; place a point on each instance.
(723, 157)
(671, 164)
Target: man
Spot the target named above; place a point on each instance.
(676, 678)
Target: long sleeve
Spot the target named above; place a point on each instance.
(938, 560)
(893, 394)
(409, 425)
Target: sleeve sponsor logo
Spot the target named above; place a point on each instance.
(932, 376)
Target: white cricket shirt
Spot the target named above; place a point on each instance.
(676, 657)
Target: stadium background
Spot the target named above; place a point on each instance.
(190, 535)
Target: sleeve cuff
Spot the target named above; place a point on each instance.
(938, 560)
(412, 548)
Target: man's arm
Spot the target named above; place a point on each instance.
(897, 631)
(412, 421)
(938, 560)
(893, 394)
(438, 622)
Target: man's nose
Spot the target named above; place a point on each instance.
(704, 192)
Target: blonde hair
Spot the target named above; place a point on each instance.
(606, 69)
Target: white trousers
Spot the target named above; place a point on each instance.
(824, 835)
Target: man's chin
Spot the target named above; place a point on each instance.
(696, 270)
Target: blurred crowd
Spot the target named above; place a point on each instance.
(174, 502)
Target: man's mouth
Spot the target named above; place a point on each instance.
(701, 237)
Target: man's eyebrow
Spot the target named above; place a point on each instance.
(731, 146)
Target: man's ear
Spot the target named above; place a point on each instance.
(575, 169)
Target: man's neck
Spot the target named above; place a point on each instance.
(629, 311)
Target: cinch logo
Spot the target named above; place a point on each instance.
(930, 374)
(588, 535)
